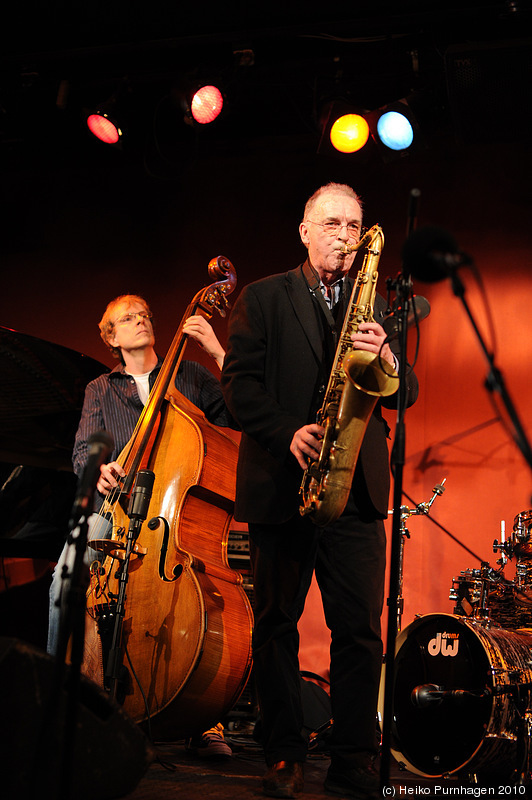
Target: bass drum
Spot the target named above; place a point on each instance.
(477, 731)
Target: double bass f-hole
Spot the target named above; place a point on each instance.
(153, 524)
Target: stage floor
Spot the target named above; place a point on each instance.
(178, 772)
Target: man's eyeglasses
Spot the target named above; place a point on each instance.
(127, 319)
(334, 228)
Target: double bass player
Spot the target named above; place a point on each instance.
(113, 403)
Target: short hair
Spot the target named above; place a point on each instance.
(107, 325)
(330, 188)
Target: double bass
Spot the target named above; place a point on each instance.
(185, 623)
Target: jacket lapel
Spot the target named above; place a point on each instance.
(300, 296)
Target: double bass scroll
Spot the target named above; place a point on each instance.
(186, 634)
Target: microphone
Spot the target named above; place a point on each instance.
(141, 495)
(100, 447)
(432, 254)
(418, 308)
(429, 694)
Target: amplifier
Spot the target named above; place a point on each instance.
(245, 710)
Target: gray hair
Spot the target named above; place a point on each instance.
(330, 188)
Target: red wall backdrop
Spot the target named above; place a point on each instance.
(77, 238)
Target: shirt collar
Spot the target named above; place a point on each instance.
(333, 292)
(120, 369)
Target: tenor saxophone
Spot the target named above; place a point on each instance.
(356, 382)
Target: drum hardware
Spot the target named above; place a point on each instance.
(523, 575)
(462, 709)
(470, 710)
(472, 590)
(406, 512)
(521, 534)
(429, 694)
(511, 601)
(520, 543)
(526, 725)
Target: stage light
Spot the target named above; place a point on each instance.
(104, 128)
(395, 130)
(391, 131)
(349, 133)
(206, 104)
(105, 118)
(344, 129)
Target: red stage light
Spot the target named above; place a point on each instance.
(206, 104)
(104, 128)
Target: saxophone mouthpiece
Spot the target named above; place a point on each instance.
(346, 248)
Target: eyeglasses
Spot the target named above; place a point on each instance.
(334, 228)
(127, 319)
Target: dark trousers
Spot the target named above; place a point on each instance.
(349, 560)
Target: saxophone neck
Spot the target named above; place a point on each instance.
(373, 238)
(376, 240)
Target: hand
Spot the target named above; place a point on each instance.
(109, 475)
(370, 337)
(306, 443)
(199, 329)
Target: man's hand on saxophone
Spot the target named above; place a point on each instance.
(370, 336)
(306, 443)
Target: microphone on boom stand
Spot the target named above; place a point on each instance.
(418, 309)
(100, 446)
(137, 512)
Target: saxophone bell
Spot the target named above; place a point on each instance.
(367, 374)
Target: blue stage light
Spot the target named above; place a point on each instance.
(395, 130)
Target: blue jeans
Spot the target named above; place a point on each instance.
(98, 528)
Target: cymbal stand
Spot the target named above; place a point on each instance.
(405, 513)
(525, 773)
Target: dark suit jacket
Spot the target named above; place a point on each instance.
(273, 381)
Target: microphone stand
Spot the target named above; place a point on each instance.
(403, 288)
(137, 512)
(494, 381)
(73, 626)
(75, 582)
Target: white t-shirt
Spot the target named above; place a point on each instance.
(143, 385)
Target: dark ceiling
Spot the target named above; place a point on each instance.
(278, 64)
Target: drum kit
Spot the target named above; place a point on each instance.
(462, 698)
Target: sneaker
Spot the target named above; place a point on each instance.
(210, 744)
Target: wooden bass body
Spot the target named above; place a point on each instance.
(187, 626)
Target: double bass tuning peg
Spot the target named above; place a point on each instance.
(217, 299)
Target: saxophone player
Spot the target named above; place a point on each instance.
(282, 341)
